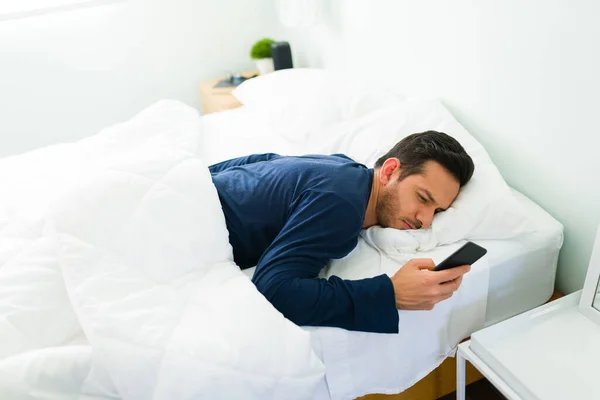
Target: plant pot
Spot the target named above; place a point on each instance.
(265, 65)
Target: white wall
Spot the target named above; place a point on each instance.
(522, 76)
(66, 75)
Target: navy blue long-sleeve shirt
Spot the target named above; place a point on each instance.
(290, 216)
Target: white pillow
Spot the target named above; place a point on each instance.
(485, 207)
(300, 100)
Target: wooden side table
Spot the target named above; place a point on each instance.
(221, 98)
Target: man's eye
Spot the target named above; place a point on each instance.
(423, 200)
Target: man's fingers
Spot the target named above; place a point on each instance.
(416, 287)
(451, 274)
(451, 286)
(422, 263)
(448, 288)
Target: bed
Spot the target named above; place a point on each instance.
(65, 334)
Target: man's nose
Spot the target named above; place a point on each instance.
(425, 217)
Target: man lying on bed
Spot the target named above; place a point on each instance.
(290, 216)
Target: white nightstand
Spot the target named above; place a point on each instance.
(549, 353)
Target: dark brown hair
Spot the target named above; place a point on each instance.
(415, 150)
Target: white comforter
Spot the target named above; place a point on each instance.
(122, 236)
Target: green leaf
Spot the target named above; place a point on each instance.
(262, 49)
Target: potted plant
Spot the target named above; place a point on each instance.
(261, 52)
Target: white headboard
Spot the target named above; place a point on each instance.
(522, 76)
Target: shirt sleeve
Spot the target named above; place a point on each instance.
(322, 227)
(236, 162)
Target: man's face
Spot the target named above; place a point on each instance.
(412, 202)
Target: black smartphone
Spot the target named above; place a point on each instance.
(466, 255)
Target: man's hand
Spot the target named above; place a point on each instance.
(416, 287)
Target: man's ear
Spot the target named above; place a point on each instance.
(388, 168)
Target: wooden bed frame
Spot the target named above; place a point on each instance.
(440, 382)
